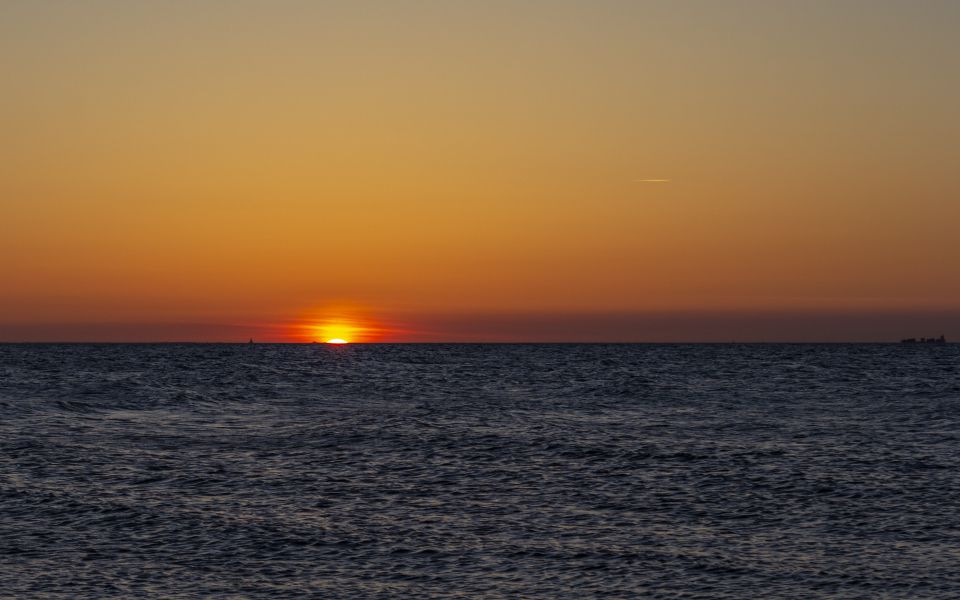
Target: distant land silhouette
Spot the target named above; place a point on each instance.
(940, 340)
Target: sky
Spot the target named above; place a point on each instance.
(558, 170)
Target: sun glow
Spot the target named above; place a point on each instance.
(337, 325)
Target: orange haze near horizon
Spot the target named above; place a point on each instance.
(461, 171)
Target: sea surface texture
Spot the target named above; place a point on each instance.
(480, 471)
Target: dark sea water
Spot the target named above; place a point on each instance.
(480, 471)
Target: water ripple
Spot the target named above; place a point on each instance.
(472, 471)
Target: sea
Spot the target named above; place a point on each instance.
(480, 471)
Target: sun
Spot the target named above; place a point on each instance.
(337, 325)
(337, 332)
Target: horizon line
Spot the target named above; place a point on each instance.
(464, 343)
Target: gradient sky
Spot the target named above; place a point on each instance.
(524, 170)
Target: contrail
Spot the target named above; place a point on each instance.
(652, 180)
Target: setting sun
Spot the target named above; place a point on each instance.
(336, 324)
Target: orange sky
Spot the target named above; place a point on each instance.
(479, 171)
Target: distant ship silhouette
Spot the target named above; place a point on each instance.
(939, 340)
